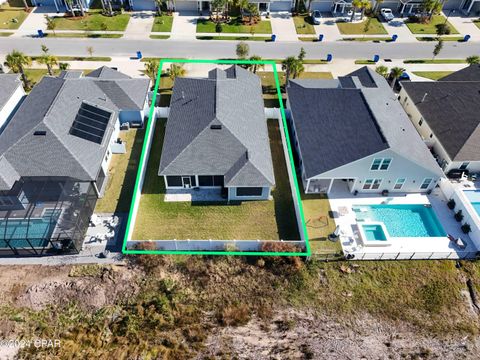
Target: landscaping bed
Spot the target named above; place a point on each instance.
(235, 25)
(8, 14)
(162, 23)
(303, 24)
(430, 27)
(93, 21)
(349, 28)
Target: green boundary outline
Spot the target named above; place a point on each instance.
(137, 190)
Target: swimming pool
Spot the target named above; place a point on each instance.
(403, 220)
(474, 197)
(38, 231)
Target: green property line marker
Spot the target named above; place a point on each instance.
(143, 163)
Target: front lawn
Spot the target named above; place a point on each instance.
(235, 26)
(433, 75)
(11, 17)
(477, 22)
(267, 220)
(303, 25)
(162, 23)
(93, 21)
(121, 175)
(349, 28)
(430, 28)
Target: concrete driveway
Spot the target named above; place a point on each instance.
(140, 25)
(465, 25)
(36, 20)
(184, 25)
(283, 26)
(397, 27)
(328, 28)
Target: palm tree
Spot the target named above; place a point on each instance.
(473, 60)
(288, 65)
(438, 48)
(395, 73)
(51, 24)
(362, 5)
(63, 66)
(48, 60)
(382, 70)
(69, 4)
(256, 66)
(151, 68)
(175, 71)
(16, 61)
(158, 6)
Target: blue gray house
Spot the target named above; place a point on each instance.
(217, 137)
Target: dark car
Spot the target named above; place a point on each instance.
(457, 173)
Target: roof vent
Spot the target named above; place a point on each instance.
(40, 133)
(246, 154)
(216, 127)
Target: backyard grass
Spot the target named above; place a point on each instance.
(375, 28)
(237, 38)
(93, 21)
(319, 223)
(267, 220)
(83, 35)
(430, 28)
(162, 23)
(122, 173)
(435, 61)
(35, 75)
(303, 25)
(160, 37)
(9, 14)
(433, 75)
(235, 26)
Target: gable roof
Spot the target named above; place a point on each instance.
(469, 73)
(450, 109)
(9, 83)
(106, 72)
(38, 141)
(217, 126)
(356, 118)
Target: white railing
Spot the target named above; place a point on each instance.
(452, 255)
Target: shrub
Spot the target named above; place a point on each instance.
(459, 215)
(466, 228)
(451, 204)
(443, 29)
(280, 263)
(234, 315)
(218, 28)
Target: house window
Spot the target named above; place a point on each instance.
(218, 180)
(249, 191)
(426, 183)
(372, 184)
(380, 164)
(399, 183)
(205, 180)
(420, 122)
(464, 165)
(174, 181)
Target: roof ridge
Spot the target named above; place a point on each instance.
(256, 168)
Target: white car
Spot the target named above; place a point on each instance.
(387, 14)
(316, 17)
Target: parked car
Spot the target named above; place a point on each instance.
(457, 173)
(387, 14)
(316, 17)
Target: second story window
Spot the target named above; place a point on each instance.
(381, 164)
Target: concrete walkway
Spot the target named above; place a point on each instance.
(283, 26)
(184, 26)
(140, 25)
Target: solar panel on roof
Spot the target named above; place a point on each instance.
(90, 123)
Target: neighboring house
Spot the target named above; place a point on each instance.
(217, 137)
(62, 5)
(11, 94)
(352, 131)
(54, 156)
(446, 115)
(196, 6)
(407, 7)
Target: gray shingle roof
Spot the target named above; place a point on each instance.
(105, 72)
(338, 125)
(8, 175)
(470, 73)
(450, 109)
(9, 83)
(240, 150)
(51, 107)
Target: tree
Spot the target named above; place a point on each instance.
(293, 67)
(438, 48)
(472, 60)
(242, 50)
(362, 5)
(217, 6)
(382, 70)
(69, 4)
(25, 5)
(302, 54)
(431, 7)
(16, 61)
(51, 24)
(256, 66)
(151, 68)
(48, 60)
(90, 50)
(395, 73)
(158, 6)
(63, 66)
(175, 71)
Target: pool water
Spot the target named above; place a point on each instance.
(403, 220)
(474, 197)
(38, 231)
(374, 232)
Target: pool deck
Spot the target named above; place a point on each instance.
(342, 201)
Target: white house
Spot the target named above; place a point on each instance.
(11, 93)
(445, 114)
(353, 131)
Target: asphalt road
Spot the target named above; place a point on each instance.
(215, 49)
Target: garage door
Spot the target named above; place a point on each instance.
(392, 5)
(139, 5)
(322, 6)
(186, 6)
(281, 6)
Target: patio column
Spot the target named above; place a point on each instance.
(308, 186)
(165, 181)
(330, 186)
(470, 7)
(353, 186)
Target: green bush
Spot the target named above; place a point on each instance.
(443, 29)
(218, 28)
